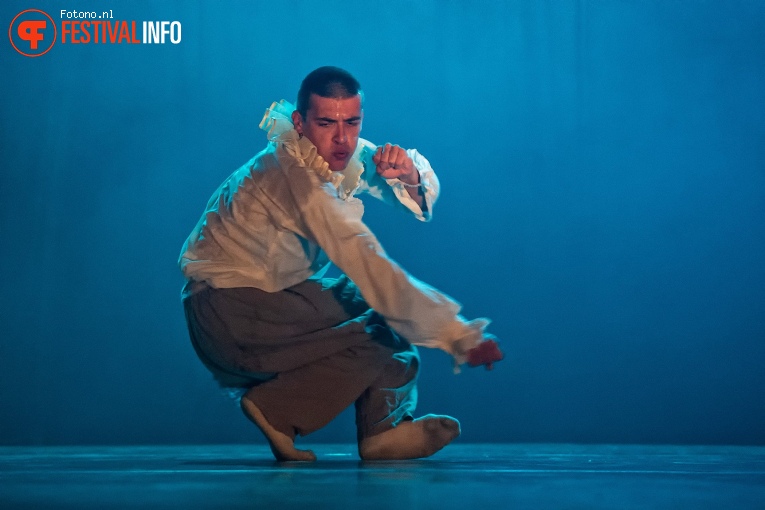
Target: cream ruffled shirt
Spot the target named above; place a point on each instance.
(283, 216)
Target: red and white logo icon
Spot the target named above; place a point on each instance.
(32, 33)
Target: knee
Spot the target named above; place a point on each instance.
(409, 361)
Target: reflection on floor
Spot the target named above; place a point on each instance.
(463, 476)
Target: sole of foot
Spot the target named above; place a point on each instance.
(411, 439)
(282, 446)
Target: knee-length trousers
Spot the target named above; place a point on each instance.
(306, 353)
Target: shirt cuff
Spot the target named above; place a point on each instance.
(430, 191)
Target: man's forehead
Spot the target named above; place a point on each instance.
(333, 107)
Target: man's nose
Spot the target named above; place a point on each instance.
(340, 134)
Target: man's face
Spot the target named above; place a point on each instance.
(333, 126)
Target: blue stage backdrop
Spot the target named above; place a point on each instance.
(603, 173)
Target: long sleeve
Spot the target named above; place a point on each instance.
(418, 312)
(393, 191)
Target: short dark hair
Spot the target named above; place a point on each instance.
(327, 81)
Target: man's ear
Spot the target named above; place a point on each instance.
(297, 121)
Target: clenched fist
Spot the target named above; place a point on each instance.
(393, 163)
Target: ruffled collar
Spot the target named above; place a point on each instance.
(277, 122)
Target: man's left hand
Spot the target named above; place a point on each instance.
(393, 163)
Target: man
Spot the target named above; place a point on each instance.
(301, 347)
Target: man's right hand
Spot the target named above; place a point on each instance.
(485, 353)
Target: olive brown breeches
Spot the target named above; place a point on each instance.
(304, 354)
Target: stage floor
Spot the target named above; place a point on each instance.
(464, 476)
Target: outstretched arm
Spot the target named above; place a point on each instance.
(416, 311)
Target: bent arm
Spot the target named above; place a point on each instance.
(417, 199)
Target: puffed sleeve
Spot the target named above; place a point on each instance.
(415, 310)
(393, 191)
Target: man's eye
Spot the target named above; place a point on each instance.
(353, 123)
(324, 124)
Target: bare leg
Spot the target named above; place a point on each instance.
(411, 439)
(282, 446)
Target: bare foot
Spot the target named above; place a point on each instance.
(411, 439)
(282, 446)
